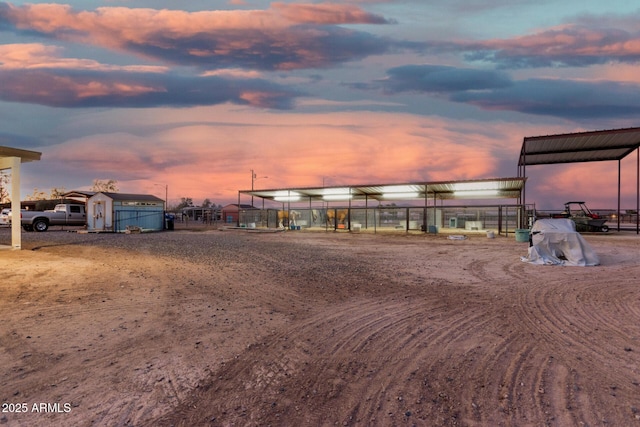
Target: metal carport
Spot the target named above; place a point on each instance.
(594, 146)
(479, 189)
(496, 188)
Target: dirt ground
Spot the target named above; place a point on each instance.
(315, 329)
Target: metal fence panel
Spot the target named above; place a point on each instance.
(500, 218)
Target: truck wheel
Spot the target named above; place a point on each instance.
(40, 225)
(605, 228)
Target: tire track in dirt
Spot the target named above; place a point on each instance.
(435, 336)
(372, 360)
(581, 333)
(396, 361)
(331, 354)
(566, 330)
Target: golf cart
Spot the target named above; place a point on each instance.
(585, 219)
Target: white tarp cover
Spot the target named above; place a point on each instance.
(556, 242)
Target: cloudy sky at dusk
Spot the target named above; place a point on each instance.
(194, 95)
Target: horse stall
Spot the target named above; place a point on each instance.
(466, 219)
(293, 219)
(412, 207)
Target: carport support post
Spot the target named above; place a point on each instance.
(406, 222)
(424, 211)
(16, 235)
(238, 220)
(619, 176)
(366, 213)
(349, 211)
(435, 211)
(289, 209)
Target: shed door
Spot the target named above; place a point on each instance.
(98, 215)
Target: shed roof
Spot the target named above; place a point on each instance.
(466, 189)
(579, 147)
(79, 194)
(132, 197)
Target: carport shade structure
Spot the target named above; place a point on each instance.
(594, 146)
(465, 189)
(12, 158)
(492, 188)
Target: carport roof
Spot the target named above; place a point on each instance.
(579, 147)
(25, 155)
(467, 189)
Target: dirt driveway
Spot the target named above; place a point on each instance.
(294, 328)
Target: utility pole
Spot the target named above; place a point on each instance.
(254, 178)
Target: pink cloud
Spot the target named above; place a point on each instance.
(269, 39)
(61, 90)
(572, 40)
(326, 13)
(576, 44)
(30, 56)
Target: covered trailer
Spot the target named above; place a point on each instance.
(115, 212)
(556, 242)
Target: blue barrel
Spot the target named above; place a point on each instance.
(522, 234)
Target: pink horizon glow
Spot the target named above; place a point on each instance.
(214, 162)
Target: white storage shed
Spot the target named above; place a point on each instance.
(115, 212)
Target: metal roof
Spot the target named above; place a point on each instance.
(579, 147)
(80, 194)
(468, 189)
(132, 197)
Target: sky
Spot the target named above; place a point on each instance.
(188, 98)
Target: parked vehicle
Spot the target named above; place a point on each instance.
(5, 216)
(583, 217)
(63, 214)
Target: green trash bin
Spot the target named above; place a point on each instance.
(522, 234)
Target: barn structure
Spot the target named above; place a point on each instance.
(115, 212)
(480, 205)
(11, 159)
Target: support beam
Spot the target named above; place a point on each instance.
(12, 158)
(619, 189)
(16, 231)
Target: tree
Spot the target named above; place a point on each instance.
(57, 193)
(206, 203)
(4, 187)
(185, 202)
(105, 185)
(36, 195)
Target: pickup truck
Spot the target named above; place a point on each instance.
(63, 214)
